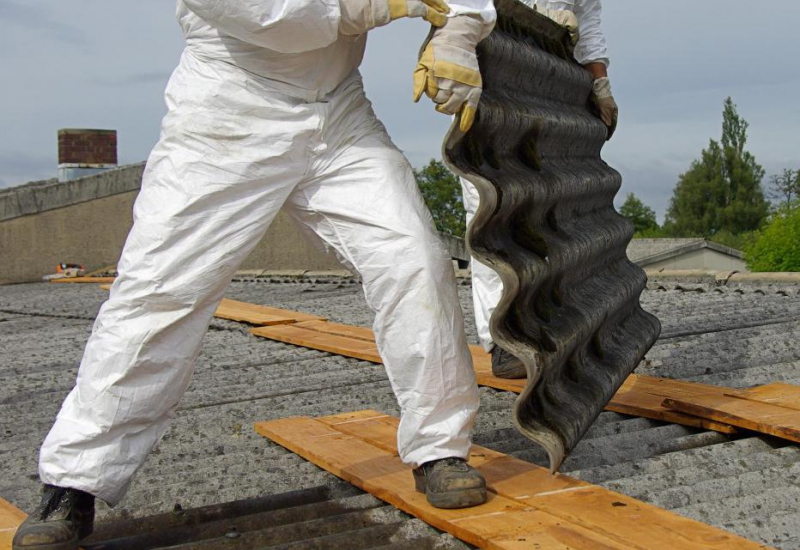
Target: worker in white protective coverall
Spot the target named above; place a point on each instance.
(582, 19)
(266, 110)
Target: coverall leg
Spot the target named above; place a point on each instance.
(232, 151)
(487, 287)
(364, 203)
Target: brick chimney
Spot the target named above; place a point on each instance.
(85, 152)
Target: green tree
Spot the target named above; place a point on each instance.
(642, 216)
(738, 242)
(722, 190)
(442, 193)
(777, 246)
(785, 188)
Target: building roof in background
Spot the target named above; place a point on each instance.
(648, 251)
(736, 334)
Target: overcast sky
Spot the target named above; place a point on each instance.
(102, 64)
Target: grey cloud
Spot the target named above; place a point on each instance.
(153, 77)
(673, 63)
(16, 168)
(38, 19)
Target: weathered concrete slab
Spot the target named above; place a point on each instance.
(210, 454)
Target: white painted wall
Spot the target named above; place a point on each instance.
(704, 258)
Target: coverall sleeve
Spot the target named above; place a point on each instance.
(286, 26)
(483, 8)
(591, 46)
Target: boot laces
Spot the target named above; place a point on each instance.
(451, 463)
(57, 502)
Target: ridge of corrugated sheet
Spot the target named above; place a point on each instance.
(547, 224)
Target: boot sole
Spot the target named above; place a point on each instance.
(513, 373)
(466, 498)
(69, 545)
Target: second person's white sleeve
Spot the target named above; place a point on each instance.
(482, 8)
(591, 47)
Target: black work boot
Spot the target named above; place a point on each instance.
(64, 517)
(505, 365)
(450, 483)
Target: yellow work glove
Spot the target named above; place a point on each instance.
(359, 16)
(565, 18)
(448, 69)
(604, 102)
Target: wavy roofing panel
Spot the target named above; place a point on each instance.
(547, 224)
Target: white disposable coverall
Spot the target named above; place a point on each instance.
(591, 48)
(265, 111)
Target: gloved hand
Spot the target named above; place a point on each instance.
(448, 69)
(359, 16)
(605, 105)
(565, 18)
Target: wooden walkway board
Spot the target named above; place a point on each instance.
(260, 315)
(255, 314)
(10, 518)
(103, 280)
(766, 418)
(312, 337)
(783, 395)
(640, 396)
(644, 396)
(359, 342)
(335, 329)
(482, 362)
(527, 508)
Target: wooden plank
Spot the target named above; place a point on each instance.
(761, 417)
(255, 314)
(500, 524)
(482, 363)
(668, 387)
(10, 515)
(587, 505)
(102, 280)
(527, 508)
(260, 315)
(640, 395)
(10, 519)
(347, 331)
(644, 396)
(782, 395)
(323, 341)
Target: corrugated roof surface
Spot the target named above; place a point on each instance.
(739, 336)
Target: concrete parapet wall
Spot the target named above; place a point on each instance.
(43, 196)
(86, 221)
(90, 233)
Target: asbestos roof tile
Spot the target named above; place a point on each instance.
(210, 454)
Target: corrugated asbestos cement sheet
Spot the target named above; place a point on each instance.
(570, 308)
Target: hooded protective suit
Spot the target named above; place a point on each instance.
(265, 111)
(487, 288)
